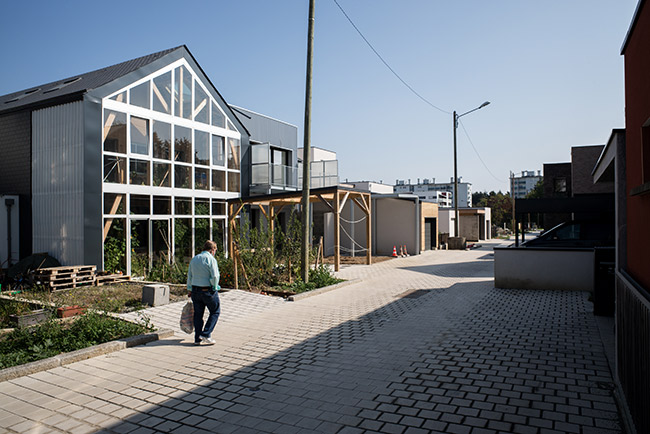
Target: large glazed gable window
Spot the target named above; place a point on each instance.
(201, 104)
(162, 93)
(139, 95)
(233, 154)
(139, 136)
(183, 93)
(182, 144)
(114, 131)
(171, 157)
(218, 151)
(162, 140)
(218, 119)
(114, 169)
(201, 148)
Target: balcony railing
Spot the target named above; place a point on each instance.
(323, 173)
(273, 176)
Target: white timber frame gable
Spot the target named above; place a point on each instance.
(171, 158)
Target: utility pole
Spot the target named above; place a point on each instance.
(306, 176)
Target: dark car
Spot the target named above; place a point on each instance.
(576, 234)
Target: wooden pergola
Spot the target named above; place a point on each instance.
(334, 199)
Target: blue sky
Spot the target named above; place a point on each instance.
(552, 71)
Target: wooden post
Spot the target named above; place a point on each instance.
(369, 231)
(337, 232)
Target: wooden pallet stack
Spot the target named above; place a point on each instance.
(66, 277)
(104, 279)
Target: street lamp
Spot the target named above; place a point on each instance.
(456, 117)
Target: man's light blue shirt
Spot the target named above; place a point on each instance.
(203, 271)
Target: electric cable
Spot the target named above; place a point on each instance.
(386, 63)
(479, 155)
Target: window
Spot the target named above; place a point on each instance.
(201, 233)
(233, 182)
(559, 185)
(183, 239)
(183, 93)
(201, 179)
(162, 174)
(183, 205)
(218, 152)
(218, 231)
(218, 207)
(233, 153)
(139, 136)
(202, 207)
(114, 169)
(162, 93)
(182, 176)
(201, 104)
(182, 144)
(218, 119)
(162, 205)
(114, 131)
(140, 95)
(139, 204)
(201, 148)
(138, 172)
(218, 180)
(114, 203)
(120, 97)
(162, 140)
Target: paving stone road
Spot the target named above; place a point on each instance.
(420, 344)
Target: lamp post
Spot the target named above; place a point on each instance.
(456, 117)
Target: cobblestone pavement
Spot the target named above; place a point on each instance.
(421, 344)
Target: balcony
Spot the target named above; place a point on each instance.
(270, 171)
(324, 173)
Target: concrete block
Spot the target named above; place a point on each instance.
(457, 243)
(155, 295)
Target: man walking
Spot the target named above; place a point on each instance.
(203, 287)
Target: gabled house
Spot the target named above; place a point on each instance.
(123, 166)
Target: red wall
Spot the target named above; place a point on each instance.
(637, 112)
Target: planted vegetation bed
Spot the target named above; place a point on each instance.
(118, 298)
(28, 344)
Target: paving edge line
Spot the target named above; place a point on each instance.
(82, 354)
(322, 290)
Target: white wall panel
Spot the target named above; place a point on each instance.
(57, 182)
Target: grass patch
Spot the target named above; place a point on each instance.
(28, 344)
(118, 298)
(318, 277)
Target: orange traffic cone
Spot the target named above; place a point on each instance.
(401, 252)
(405, 252)
(394, 251)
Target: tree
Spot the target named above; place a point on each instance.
(499, 203)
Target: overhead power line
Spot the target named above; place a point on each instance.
(479, 155)
(386, 63)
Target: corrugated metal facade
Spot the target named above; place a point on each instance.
(58, 183)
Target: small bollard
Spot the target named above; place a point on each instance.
(155, 295)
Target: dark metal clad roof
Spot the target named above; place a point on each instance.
(76, 85)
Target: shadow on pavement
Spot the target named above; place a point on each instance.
(466, 356)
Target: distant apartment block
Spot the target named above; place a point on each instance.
(440, 193)
(524, 183)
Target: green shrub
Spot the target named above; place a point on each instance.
(27, 344)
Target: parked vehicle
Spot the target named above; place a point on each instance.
(576, 234)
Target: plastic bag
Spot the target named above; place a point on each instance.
(187, 317)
